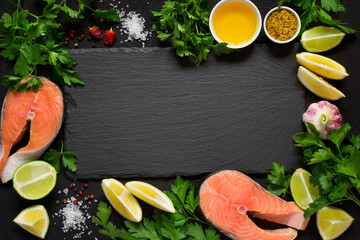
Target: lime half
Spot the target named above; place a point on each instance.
(34, 180)
(332, 222)
(302, 191)
(321, 38)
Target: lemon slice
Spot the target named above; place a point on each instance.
(321, 38)
(34, 180)
(332, 222)
(317, 85)
(302, 191)
(34, 219)
(321, 65)
(121, 199)
(151, 195)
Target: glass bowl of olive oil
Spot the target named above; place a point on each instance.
(236, 22)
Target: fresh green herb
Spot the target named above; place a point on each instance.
(312, 12)
(68, 159)
(183, 224)
(32, 41)
(334, 165)
(186, 23)
(277, 182)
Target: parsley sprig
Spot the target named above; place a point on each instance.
(31, 41)
(277, 181)
(334, 165)
(186, 23)
(312, 12)
(67, 158)
(183, 224)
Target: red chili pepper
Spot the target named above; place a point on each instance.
(95, 32)
(109, 37)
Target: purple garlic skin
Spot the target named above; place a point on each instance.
(325, 117)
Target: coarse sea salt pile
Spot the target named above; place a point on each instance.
(132, 24)
(74, 216)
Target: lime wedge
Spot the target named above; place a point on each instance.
(34, 219)
(321, 38)
(151, 195)
(302, 191)
(34, 180)
(332, 222)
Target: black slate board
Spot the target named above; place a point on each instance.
(142, 113)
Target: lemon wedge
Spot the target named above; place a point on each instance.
(322, 66)
(151, 195)
(317, 85)
(302, 191)
(332, 222)
(121, 199)
(34, 219)
(321, 38)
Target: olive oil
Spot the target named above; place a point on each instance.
(235, 23)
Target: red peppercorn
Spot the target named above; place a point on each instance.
(71, 185)
(66, 43)
(75, 201)
(72, 36)
(72, 31)
(92, 196)
(88, 196)
(95, 32)
(86, 185)
(64, 200)
(109, 37)
(80, 192)
(82, 36)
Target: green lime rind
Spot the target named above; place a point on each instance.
(34, 180)
(302, 191)
(321, 38)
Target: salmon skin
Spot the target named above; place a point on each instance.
(43, 110)
(227, 197)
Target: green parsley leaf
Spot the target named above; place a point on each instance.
(54, 158)
(277, 182)
(106, 16)
(315, 206)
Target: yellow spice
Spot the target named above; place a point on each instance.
(281, 24)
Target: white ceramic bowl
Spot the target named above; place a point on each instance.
(297, 18)
(258, 18)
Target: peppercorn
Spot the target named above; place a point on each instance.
(79, 38)
(82, 36)
(76, 45)
(93, 45)
(75, 201)
(57, 202)
(72, 31)
(86, 198)
(89, 38)
(75, 190)
(86, 185)
(72, 36)
(81, 189)
(66, 43)
(80, 192)
(71, 185)
(64, 200)
(67, 39)
(92, 196)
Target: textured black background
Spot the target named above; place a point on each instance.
(221, 100)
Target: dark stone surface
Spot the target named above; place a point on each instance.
(199, 115)
(139, 117)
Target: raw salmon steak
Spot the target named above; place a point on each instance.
(227, 197)
(42, 112)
